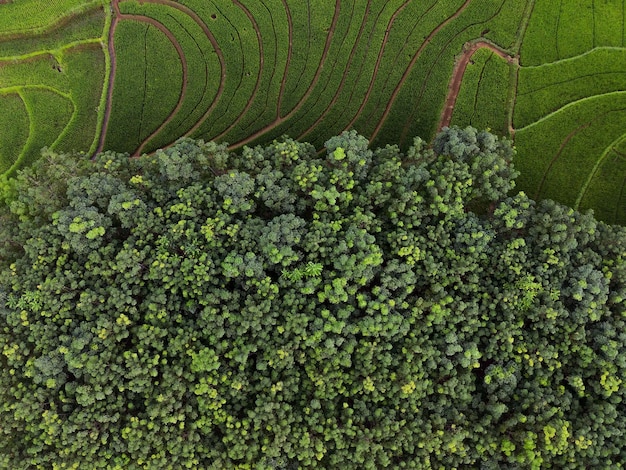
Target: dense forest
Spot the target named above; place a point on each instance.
(278, 308)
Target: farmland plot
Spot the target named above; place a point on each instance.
(550, 74)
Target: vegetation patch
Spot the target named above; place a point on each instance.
(279, 308)
(148, 73)
(483, 98)
(14, 131)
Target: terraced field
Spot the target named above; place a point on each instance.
(136, 75)
(52, 66)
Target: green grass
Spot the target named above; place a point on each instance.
(13, 131)
(85, 68)
(539, 45)
(149, 75)
(85, 26)
(28, 17)
(606, 192)
(609, 23)
(238, 41)
(482, 100)
(584, 130)
(49, 113)
(576, 31)
(545, 89)
(270, 21)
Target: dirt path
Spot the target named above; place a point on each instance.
(469, 49)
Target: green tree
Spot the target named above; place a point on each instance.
(283, 309)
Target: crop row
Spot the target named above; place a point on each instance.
(312, 70)
(563, 151)
(560, 30)
(482, 99)
(147, 84)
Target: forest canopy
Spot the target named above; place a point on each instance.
(280, 308)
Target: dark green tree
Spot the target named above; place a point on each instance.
(361, 309)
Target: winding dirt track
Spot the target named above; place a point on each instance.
(459, 71)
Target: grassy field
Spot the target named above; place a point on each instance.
(52, 65)
(482, 100)
(148, 74)
(570, 110)
(27, 17)
(14, 131)
(246, 72)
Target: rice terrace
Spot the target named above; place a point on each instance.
(134, 76)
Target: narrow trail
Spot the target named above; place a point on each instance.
(469, 49)
(409, 68)
(279, 120)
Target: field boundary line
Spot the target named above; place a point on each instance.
(61, 21)
(409, 68)
(596, 166)
(569, 105)
(19, 88)
(102, 105)
(575, 57)
(52, 52)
